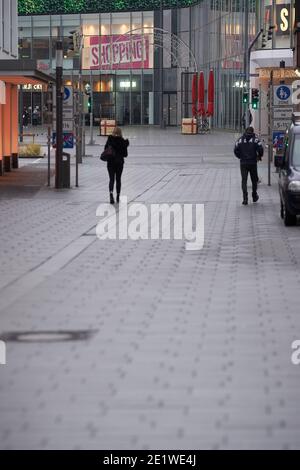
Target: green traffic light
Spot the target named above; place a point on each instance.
(245, 98)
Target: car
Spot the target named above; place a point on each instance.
(288, 163)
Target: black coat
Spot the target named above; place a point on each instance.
(248, 149)
(120, 147)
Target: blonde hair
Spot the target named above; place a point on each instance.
(117, 132)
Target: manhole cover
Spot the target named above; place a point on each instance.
(47, 336)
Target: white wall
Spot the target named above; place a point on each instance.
(8, 29)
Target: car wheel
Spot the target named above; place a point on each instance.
(289, 219)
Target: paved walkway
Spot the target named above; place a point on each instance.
(154, 347)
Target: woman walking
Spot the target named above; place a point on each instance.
(115, 163)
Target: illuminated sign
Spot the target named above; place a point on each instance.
(283, 19)
(117, 52)
(36, 87)
(127, 84)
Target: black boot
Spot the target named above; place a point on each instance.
(112, 201)
(245, 200)
(255, 197)
(118, 198)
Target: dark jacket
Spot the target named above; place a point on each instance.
(120, 147)
(248, 149)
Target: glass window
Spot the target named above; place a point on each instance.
(296, 152)
(55, 25)
(25, 48)
(40, 48)
(91, 25)
(40, 26)
(121, 23)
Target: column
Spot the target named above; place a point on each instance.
(6, 130)
(1, 142)
(14, 127)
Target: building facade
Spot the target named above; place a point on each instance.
(273, 58)
(135, 59)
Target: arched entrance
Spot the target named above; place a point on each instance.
(170, 57)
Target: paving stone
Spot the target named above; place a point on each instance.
(188, 350)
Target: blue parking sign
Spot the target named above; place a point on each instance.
(68, 142)
(278, 140)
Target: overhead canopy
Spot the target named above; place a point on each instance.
(20, 72)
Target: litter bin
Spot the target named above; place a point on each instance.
(66, 170)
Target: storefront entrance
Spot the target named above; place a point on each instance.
(170, 109)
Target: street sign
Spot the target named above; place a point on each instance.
(278, 139)
(68, 126)
(283, 113)
(68, 97)
(68, 140)
(282, 95)
(68, 114)
(280, 124)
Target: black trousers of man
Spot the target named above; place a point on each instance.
(245, 170)
(115, 171)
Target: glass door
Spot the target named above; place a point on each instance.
(170, 108)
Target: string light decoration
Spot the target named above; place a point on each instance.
(48, 7)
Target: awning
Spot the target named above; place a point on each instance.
(21, 72)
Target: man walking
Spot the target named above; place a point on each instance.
(249, 149)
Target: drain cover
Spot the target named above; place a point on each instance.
(46, 336)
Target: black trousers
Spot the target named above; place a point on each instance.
(245, 170)
(115, 171)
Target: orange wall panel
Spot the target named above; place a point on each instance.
(14, 119)
(6, 123)
(1, 136)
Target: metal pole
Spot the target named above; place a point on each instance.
(59, 113)
(49, 119)
(92, 142)
(49, 154)
(76, 109)
(270, 148)
(161, 69)
(259, 111)
(246, 61)
(80, 104)
(21, 110)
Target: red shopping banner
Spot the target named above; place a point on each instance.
(119, 52)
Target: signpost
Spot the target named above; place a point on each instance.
(67, 118)
(280, 114)
(283, 95)
(68, 140)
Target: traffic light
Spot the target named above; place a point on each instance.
(267, 36)
(245, 97)
(71, 43)
(74, 41)
(255, 98)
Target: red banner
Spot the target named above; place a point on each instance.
(119, 52)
